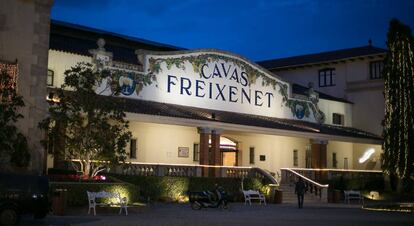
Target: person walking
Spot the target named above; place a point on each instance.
(300, 189)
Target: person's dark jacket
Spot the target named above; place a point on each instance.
(300, 187)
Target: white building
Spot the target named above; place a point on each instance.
(251, 116)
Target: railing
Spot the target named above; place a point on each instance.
(158, 169)
(336, 173)
(290, 176)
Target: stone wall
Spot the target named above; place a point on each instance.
(24, 36)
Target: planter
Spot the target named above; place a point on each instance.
(278, 198)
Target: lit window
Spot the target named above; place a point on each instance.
(337, 119)
(326, 77)
(375, 69)
(50, 77)
(196, 152)
(251, 152)
(295, 158)
(133, 149)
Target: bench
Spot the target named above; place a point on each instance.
(250, 195)
(352, 195)
(93, 196)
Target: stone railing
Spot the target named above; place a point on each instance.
(148, 169)
(290, 176)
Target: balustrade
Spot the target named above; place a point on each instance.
(290, 176)
(146, 169)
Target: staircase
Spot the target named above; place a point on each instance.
(316, 193)
(290, 197)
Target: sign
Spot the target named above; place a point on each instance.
(212, 79)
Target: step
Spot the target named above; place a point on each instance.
(289, 195)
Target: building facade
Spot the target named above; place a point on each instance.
(24, 44)
(210, 107)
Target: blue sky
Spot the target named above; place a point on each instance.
(256, 29)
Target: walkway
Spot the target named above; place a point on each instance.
(238, 214)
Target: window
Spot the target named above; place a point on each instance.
(337, 119)
(326, 77)
(196, 152)
(308, 156)
(50, 77)
(251, 155)
(262, 158)
(295, 158)
(375, 69)
(334, 161)
(133, 149)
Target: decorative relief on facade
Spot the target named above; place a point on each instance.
(299, 108)
(199, 60)
(205, 79)
(123, 78)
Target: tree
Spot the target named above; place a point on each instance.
(398, 157)
(13, 144)
(91, 127)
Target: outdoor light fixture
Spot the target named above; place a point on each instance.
(367, 154)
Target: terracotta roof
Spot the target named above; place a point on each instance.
(322, 57)
(80, 39)
(179, 111)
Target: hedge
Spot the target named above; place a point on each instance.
(177, 188)
(76, 191)
(367, 184)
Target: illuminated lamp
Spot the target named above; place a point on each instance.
(367, 154)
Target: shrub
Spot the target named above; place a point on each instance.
(76, 192)
(364, 183)
(177, 188)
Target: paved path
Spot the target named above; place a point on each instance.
(238, 214)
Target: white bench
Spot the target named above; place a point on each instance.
(252, 194)
(92, 196)
(352, 195)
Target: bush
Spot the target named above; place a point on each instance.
(76, 192)
(56, 171)
(177, 188)
(368, 184)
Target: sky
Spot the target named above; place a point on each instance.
(256, 29)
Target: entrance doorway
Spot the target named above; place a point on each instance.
(229, 158)
(229, 152)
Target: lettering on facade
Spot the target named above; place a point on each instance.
(210, 86)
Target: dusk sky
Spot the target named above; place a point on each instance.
(258, 30)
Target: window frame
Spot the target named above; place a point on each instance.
(378, 66)
(52, 75)
(196, 152)
(251, 155)
(334, 160)
(295, 157)
(341, 119)
(323, 74)
(133, 153)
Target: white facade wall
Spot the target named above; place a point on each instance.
(353, 83)
(343, 150)
(159, 143)
(373, 163)
(60, 61)
(303, 76)
(329, 107)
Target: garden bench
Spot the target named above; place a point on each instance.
(93, 196)
(352, 195)
(252, 194)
